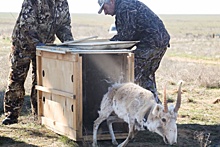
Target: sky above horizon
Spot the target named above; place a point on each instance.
(158, 6)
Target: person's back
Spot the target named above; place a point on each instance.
(136, 21)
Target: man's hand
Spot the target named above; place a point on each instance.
(40, 44)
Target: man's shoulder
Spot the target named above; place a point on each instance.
(129, 5)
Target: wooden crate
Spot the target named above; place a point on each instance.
(71, 84)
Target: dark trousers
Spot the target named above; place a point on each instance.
(14, 95)
(147, 61)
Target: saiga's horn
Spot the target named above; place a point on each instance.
(178, 102)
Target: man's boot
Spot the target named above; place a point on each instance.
(10, 119)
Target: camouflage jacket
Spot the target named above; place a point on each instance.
(39, 21)
(136, 22)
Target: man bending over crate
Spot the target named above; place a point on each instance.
(37, 24)
(134, 21)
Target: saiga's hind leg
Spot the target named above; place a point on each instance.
(130, 134)
(103, 115)
(110, 121)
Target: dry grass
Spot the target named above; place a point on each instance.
(194, 57)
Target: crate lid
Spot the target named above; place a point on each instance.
(64, 50)
(92, 46)
(103, 44)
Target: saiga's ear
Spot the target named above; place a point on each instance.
(157, 109)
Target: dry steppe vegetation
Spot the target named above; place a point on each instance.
(194, 57)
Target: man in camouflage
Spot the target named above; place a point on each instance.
(136, 22)
(37, 24)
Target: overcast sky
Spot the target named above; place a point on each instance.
(158, 6)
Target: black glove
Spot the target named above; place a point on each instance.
(40, 44)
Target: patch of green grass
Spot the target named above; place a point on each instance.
(191, 56)
(65, 140)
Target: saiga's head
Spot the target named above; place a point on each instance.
(163, 120)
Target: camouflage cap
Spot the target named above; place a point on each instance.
(101, 3)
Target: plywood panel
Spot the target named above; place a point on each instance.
(60, 109)
(57, 74)
(60, 128)
(46, 103)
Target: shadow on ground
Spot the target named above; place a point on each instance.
(13, 143)
(189, 135)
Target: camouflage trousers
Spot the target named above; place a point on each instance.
(147, 61)
(14, 95)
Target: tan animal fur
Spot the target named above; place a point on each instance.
(137, 107)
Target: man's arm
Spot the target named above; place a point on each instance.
(64, 31)
(126, 23)
(28, 22)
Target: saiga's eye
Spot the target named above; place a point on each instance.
(164, 120)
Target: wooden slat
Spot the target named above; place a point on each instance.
(63, 55)
(105, 136)
(79, 91)
(39, 79)
(130, 67)
(54, 91)
(49, 49)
